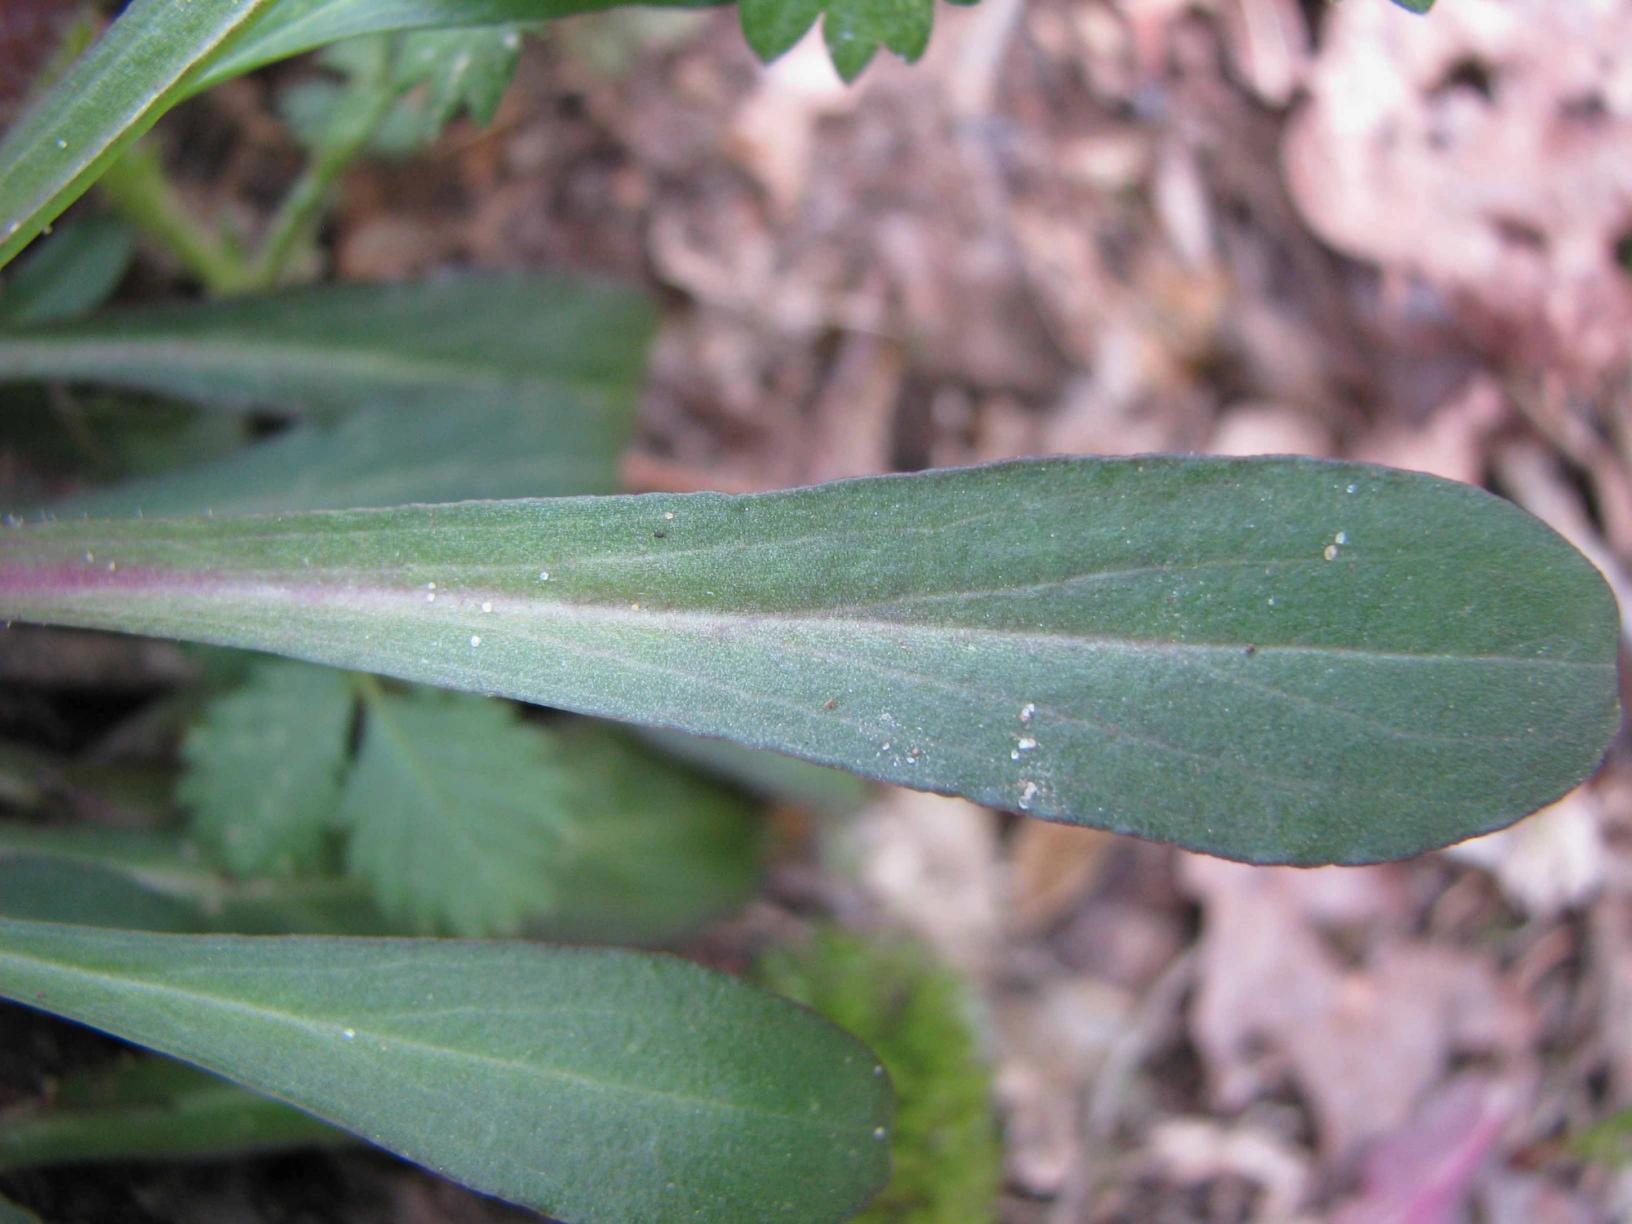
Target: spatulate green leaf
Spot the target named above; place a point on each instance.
(435, 343)
(386, 456)
(263, 768)
(595, 1086)
(1283, 660)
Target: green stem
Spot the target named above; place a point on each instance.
(362, 111)
(136, 185)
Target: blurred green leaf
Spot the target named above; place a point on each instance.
(1415, 6)
(453, 810)
(264, 765)
(388, 456)
(601, 1087)
(44, 889)
(158, 881)
(145, 1108)
(458, 70)
(769, 775)
(651, 850)
(438, 343)
(1275, 660)
(69, 274)
(465, 819)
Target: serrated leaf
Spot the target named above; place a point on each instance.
(772, 27)
(459, 70)
(1276, 660)
(454, 809)
(263, 768)
(147, 1108)
(599, 1087)
(852, 29)
(491, 337)
(70, 274)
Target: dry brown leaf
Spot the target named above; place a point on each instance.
(1051, 867)
(1422, 1172)
(1483, 150)
(1362, 1044)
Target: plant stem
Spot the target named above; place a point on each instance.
(357, 119)
(136, 185)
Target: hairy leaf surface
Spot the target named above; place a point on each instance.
(600, 1087)
(263, 768)
(1283, 660)
(110, 96)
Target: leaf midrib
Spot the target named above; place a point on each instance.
(363, 365)
(327, 1030)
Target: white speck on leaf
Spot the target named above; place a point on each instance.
(1028, 711)
(1028, 792)
(1341, 537)
(348, 1034)
(1026, 744)
(475, 639)
(543, 575)
(1330, 552)
(487, 605)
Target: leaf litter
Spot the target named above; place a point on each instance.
(1118, 226)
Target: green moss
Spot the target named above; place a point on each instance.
(897, 998)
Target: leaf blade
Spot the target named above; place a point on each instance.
(594, 1085)
(110, 96)
(264, 766)
(1242, 657)
(335, 347)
